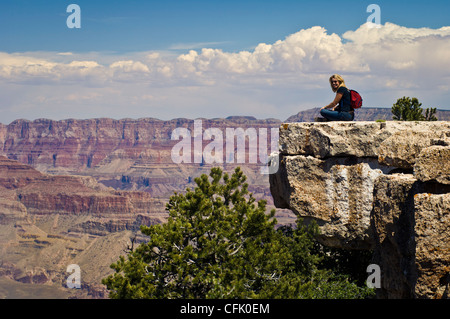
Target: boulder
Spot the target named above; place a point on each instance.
(378, 186)
(332, 138)
(411, 232)
(433, 164)
(432, 237)
(336, 192)
(403, 147)
(392, 223)
(361, 139)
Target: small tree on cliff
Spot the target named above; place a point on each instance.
(218, 244)
(409, 109)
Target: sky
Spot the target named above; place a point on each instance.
(171, 59)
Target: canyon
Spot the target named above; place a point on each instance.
(75, 191)
(50, 221)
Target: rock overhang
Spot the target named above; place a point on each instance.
(328, 170)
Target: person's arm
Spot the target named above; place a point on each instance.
(336, 101)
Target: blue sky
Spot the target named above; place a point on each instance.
(169, 59)
(138, 25)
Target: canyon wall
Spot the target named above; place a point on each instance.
(76, 191)
(48, 222)
(126, 154)
(381, 186)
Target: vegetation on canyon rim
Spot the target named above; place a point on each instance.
(409, 109)
(220, 243)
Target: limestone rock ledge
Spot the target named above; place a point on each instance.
(369, 185)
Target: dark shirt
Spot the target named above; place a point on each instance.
(344, 103)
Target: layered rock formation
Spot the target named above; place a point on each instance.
(102, 179)
(132, 154)
(381, 186)
(125, 154)
(48, 222)
(44, 194)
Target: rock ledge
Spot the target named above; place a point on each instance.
(380, 186)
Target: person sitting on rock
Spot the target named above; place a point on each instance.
(341, 109)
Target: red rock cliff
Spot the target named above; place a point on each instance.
(41, 194)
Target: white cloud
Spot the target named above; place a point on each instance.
(401, 65)
(287, 75)
(309, 51)
(130, 66)
(390, 32)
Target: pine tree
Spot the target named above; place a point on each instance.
(430, 114)
(409, 109)
(219, 243)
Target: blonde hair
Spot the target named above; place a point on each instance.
(340, 79)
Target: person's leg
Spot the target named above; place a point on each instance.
(336, 116)
(330, 115)
(345, 116)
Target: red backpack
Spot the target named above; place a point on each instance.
(355, 99)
